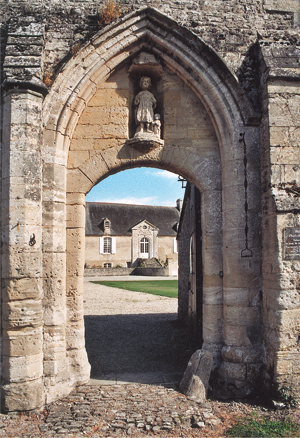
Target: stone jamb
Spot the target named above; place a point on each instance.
(21, 218)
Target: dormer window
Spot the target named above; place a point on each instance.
(106, 226)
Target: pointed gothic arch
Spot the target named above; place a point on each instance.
(218, 174)
(217, 171)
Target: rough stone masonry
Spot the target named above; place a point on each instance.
(228, 96)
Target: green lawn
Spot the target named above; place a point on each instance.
(252, 427)
(166, 288)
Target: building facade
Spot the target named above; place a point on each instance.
(120, 235)
(207, 90)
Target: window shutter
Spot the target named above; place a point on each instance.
(175, 245)
(113, 245)
(101, 245)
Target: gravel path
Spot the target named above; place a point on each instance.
(133, 336)
(117, 343)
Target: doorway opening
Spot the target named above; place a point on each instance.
(144, 248)
(131, 335)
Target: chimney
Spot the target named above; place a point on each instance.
(179, 204)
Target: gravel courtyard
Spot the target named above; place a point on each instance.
(133, 336)
(138, 352)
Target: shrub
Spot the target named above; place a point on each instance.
(110, 12)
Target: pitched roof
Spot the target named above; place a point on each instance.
(123, 217)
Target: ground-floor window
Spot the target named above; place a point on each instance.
(107, 265)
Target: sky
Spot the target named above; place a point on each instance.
(142, 185)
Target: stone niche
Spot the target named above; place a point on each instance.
(147, 106)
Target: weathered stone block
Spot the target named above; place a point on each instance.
(110, 97)
(212, 295)
(53, 213)
(213, 331)
(195, 380)
(237, 315)
(236, 335)
(54, 346)
(19, 314)
(24, 396)
(75, 336)
(75, 307)
(54, 315)
(115, 131)
(79, 365)
(75, 216)
(21, 289)
(23, 264)
(76, 238)
(233, 372)
(54, 264)
(50, 368)
(95, 168)
(78, 182)
(54, 289)
(24, 368)
(236, 296)
(232, 354)
(54, 238)
(75, 158)
(22, 343)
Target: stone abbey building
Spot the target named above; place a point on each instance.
(124, 236)
(209, 90)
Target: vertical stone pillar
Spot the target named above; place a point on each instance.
(281, 216)
(242, 353)
(212, 260)
(56, 370)
(79, 366)
(21, 216)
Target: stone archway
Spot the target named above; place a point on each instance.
(205, 149)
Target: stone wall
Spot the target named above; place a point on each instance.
(103, 272)
(66, 116)
(57, 30)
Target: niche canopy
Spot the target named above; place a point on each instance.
(143, 70)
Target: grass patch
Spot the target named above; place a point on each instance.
(250, 427)
(164, 288)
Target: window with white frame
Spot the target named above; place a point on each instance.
(107, 265)
(144, 247)
(175, 245)
(107, 245)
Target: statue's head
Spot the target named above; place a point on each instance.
(145, 82)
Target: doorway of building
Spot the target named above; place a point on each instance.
(131, 335)
(144, 248)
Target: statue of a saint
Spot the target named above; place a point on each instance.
(145, 103)
(156, 125)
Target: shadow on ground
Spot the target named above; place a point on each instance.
(136, 344)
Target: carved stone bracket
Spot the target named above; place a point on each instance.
(145, 143)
